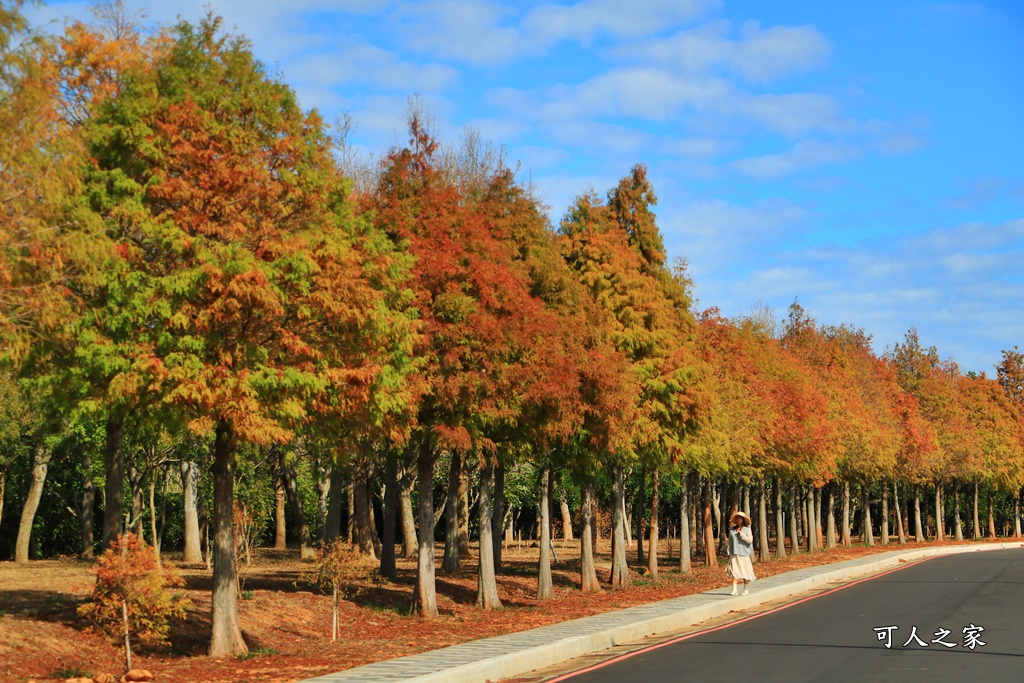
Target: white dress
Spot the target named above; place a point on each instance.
(740, 566)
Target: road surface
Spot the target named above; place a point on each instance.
(952, 618)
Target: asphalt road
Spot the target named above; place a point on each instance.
(864, 631)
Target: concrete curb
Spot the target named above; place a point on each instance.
(492, 659)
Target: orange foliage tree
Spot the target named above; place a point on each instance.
(133, 596)
(238, 243)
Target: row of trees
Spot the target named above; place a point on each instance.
(190, 276)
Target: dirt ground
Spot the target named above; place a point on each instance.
(286, 621)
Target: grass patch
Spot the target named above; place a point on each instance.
(401, 610)
(247, 595)
(256, 652)
(71, 671)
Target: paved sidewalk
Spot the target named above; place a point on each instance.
(492, 659)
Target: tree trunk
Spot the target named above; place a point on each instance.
(162, 528)
(780, 525)
(566, 520)
(884, 522)
(3, 488)
(819, 538)
(323, 486)
(794, 531)
(498, 513)
(588, 571)
(710, 558)
(1017, 509)
(763, 550)
(652, 545)
(350, 495)
(226, 633)
(190, 494)
(958, 529)
(813, 544)
(206, 551)
(291, 486)
(487, 585)
(545, 588)
(153, 532)
(722, 512)
(918, 529)
(113, 489)
(684, 523)
(976, 528)
(638, 515)
(463, 511)
(450, 563)
(280, 520)
(619, 576)
(899, 514)
(135, 476)
(334, 508)
(804, 519)
(869, 538)
(409, 545)
(940, 512)
(40, 465)
(424, 599)
(388, 568)
(991, 517)
(847, 540)
(830, 512)
(85, 511)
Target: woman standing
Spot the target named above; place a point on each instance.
(741, 543)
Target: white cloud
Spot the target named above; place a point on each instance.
(465, 30)
(595, 135)
(367, 64)
(488, 32)
(791, 114)
(757, 55)
(548, 24)
(805, 155)
(645, 93)
(766, 54)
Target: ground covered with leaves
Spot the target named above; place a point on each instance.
(286, 618)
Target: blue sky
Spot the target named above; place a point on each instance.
(864, 158)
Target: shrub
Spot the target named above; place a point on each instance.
(132, 597)
(339, 565)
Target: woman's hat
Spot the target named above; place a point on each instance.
(740, 513)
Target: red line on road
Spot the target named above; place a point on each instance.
(729, 625)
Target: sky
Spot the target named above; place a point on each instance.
(863, 159)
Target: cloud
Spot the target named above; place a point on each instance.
(791, 114)
(978, 192)
(369, 65)
(485, 32)
(757, 55)
(548, 24)
(805, 155)
(646, 93)
(658, 95)
(463, 30)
